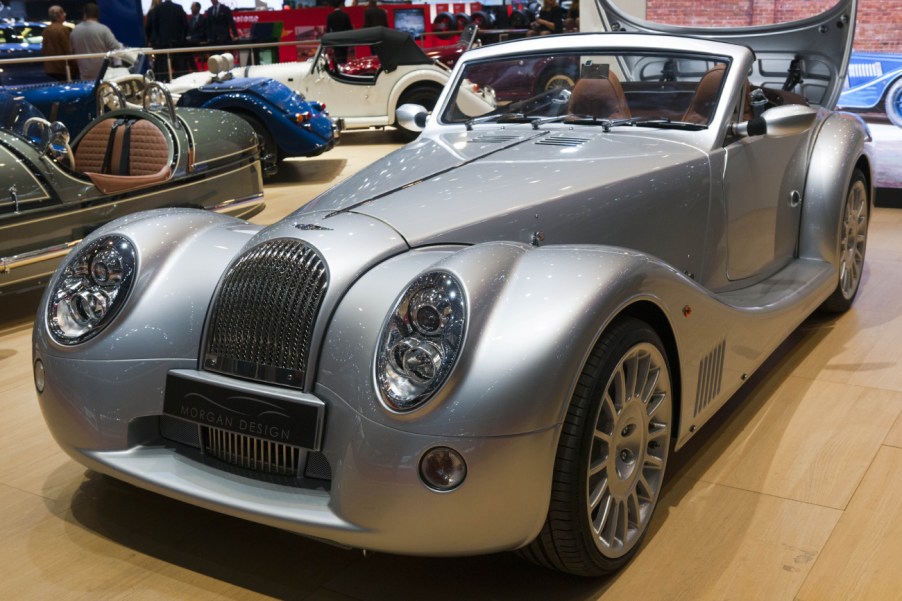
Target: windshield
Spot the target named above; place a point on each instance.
(638, 87)
(15, 112)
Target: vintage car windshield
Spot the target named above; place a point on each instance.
(15, 112)
(654, 88)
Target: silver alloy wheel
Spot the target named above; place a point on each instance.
(629, 450)
(853, 238)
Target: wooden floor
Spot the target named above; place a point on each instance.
(794, 493)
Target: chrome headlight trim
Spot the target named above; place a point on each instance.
(420, 341)
(91, 289)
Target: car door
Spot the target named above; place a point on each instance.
(344, 98)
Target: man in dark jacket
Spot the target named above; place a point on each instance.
(170, 27)
(220, 24)
(338, 20)
(197, 26)
(374, 16)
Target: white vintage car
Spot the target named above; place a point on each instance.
(406, 75)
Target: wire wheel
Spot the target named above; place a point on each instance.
(611, 456)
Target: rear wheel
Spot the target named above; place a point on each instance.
(611, 455)
(893, 103)
(426, 97)
(853, 239)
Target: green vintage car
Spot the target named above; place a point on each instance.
(54, 191)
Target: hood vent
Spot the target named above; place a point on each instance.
(562, 141)
(492, 139)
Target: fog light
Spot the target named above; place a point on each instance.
(39, 375)
(442, 469)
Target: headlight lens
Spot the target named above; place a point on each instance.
(91, 289)
(421, 341)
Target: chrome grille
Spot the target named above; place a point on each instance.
(251, 453)
(263, 317)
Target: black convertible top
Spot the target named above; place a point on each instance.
(391, 46)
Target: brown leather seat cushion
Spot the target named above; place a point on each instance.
(600, 97)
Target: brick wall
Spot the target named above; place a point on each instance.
(879, 26)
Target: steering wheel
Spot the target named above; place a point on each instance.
(109, 97)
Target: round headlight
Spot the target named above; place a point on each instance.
(420, 341)
(91, 289)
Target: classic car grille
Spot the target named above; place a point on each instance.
(562, 141)
(245, 451)
(251, 453)
(263, 318)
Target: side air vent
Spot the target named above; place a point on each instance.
(492, 139)
(710, 377)
(263, 318)
(562, 141)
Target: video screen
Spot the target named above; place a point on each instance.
(411, 20)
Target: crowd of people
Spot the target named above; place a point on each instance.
(168, 26)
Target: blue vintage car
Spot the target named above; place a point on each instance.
(21, 40)
(874, 83)
(287, 124)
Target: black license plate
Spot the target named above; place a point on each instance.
(268, 417)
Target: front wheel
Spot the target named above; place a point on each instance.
(853, 239)
(611, 456)
(893, 103)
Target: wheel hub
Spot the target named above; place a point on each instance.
(628, 447)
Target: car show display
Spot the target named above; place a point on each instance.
(56, 191)
(492, 338)
(288, 125)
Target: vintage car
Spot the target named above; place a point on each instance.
(57, 191)
(493, 337)
(406, 75)
(20, 40)
(874, 84)
(288, 125)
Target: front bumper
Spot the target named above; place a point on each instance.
(106, 416)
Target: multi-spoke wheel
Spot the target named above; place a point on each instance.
(853, 238)
(611, 456)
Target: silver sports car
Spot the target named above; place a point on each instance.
(493, 337)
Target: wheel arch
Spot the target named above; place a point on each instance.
(843, 144)
(654, 316)
(408, 84)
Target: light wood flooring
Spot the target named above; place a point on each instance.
(794, 493)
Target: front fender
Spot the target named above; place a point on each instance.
(534, 315)
(181, 254)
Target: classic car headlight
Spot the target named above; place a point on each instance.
(91, 289)
(421, 340)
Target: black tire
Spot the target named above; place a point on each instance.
(893, 103)
(424, 95)
(442, 23)
(558, 76)
(461, 20)
(519, 19)
(614, 446)
(483, 19)
(853, 239)
(269, 150)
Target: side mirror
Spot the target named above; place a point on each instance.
(786, 120)
(412, 117)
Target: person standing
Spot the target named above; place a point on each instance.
(169, 24)
(338, 20)
(89, 37)
(220, 24)
(374, 16)
(197, 26)
(550, 19)
(56, 43)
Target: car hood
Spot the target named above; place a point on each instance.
(477, 186)
(820, 45)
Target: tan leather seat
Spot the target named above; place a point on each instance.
(701, 107)
(600, 97)
(101, 155)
